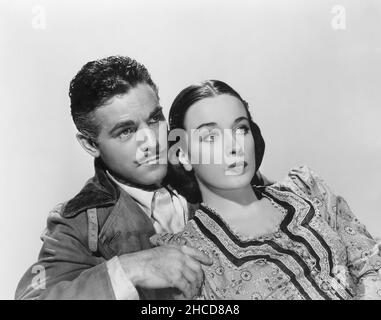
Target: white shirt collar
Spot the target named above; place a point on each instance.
(143, 197)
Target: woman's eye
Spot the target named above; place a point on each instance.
(242, 130)
(211, 137)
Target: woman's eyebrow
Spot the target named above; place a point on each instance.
(208, 124)
(213, 124)
(238, 120)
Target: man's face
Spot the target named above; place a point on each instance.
(132, 141)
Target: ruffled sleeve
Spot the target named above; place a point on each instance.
(166, 238)
(363, 251)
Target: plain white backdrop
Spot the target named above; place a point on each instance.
(310, 70)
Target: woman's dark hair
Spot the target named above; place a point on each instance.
(184, 181)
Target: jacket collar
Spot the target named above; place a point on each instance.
(99, 191)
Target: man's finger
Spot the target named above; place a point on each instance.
(184, 286)
(192, 263)
(196, 267)
(196, 278)
(197, 254)
(192, 278)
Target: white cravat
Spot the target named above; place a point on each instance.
(167, 209)
(168, 213)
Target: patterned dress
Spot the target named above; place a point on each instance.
(319, 251)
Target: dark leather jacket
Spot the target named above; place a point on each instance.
(100, 222)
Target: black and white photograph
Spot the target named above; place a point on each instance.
(190, 150)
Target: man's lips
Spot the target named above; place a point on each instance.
(151, 160)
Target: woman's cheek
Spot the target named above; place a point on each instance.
(205, 154)
(212, 174)
(249, 149)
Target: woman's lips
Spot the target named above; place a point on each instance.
(236, 168)
(237, 164)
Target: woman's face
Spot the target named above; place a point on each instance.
(221, 145)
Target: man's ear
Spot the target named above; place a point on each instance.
(88, 145)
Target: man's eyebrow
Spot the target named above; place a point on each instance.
(122, 124)
(208, 124)
(130, 123)
(155, 111)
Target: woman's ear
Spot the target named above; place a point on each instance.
(88, 145)
(172, 155)
(184, 160)
(177, 155)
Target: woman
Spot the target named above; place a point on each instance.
(293, 239)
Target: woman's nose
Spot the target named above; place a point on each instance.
(234, 145)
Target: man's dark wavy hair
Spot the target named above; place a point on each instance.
(99, 81)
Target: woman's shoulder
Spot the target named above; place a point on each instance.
(303, 174)
(303, 179)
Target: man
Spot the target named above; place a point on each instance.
(96, 246)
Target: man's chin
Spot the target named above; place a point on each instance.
(142, 177)
(152, 175)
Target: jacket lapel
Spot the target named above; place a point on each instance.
(127, 229)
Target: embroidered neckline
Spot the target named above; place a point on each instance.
(243, 237)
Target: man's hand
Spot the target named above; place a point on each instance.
(166, 267)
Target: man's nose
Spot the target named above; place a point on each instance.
(147, 138)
